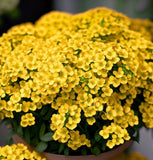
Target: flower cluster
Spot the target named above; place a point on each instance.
(145, 27)
(27, 120)
(94, 70)
(117, 133)
(18, 151)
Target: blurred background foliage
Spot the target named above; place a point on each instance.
(14, 12)
(132, 8)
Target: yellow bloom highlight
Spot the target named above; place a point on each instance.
(77, 140)
(91, 120)
(117, 134)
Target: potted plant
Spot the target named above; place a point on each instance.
(76, 84)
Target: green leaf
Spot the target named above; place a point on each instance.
(34, 141)
(20, 131)
(97, 137)
(84, 151)
(35, 130)
(61, 148)
(84, 79)
(102, 22)
(27, 135)
(1, 157)
(53, 146)
(66, 152)
(103, 147)
(95, 150)
(44, 110)
(42, 130)
(47, 137)
(127, 71)
(48, 115)
(41, 147)
(13, 123)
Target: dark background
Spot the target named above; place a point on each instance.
(28, 11)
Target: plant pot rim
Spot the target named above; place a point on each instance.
(103, 156)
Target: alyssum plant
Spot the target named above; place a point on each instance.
(77, 84)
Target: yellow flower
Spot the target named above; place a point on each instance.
(110, 144)
(101, 82)
(104, 134)
(92, 83)
(2, 104)
(18, 151)
(77, 140)
(27, 120)
(35, 97)
(15, 98)
(91, 120)
(107, 91)
(57, 120)
(114, 81)
(90, 111)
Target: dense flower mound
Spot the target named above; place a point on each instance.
(18, 152)
(94, 70)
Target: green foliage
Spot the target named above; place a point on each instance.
(66, 152)
(34, 141)
(47, 137)
(84, 79)
(53, 147)
(84, 151)
(97, 137)
(20, 131)
(126, 71)
(103, 147)
(95, 150)
(61, 148)
(47, 116)
(9, 139)
(44, 110)
(42, 130)
(27, 135)
(41, 147)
